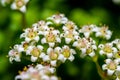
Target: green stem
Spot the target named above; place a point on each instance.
(23, 20)
(99, 70)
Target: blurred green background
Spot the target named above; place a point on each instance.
(82, 12)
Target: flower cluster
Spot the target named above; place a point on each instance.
(39, 72)
(112, 52)
(58, 39)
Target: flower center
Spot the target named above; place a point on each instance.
(25, 45)
(70, 35)
(103, 30)
(69, 25)
(41, 25)
(66, 52)
(19, 3)
(112, 66)
(50, 37)
(89, 50)
(82, 43)
(107, 49)
(31, 34)
(53, 55)
(35, 52)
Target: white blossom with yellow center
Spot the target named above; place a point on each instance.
(19, 5)
(15, 53)
(41, 26)
(111, 66)
(51, 37)
(103, 32)
(87, 30)
(35, 52)
(86, 45)
(67, 53)
(30, 34)
(107, 49)
(53, 55)
(70, 36)
(58, 19)
(69, 25)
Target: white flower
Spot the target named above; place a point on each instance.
(116, 1)
(35, 52)
(70, 35)
(103, 32)
(107, 49)
(87, 30)
(69, 25)
(86, 45)
(30, 34)
(58, 19)
(41, 26)
(67, 52)
(19, 5)
(111, 66)
(52, 55)
(15, 53)
(117, 43)
(51, 37)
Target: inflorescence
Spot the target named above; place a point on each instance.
(57, 39)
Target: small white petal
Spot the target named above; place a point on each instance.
(104, 66)
(43, 40)
(87, 34)
(118, 68)
(61, 57)
(108, 37)
(23, 9)
(49, 50)
(26, 1)
(110, 72)
(92, 54)
(83, 50)
(108, 61)
(27, 39)
(53, 78)
(109, 55)
(72, 51)
(67, 40)
(36, 38)
(22, 35)
(58, 39)
(42, 55)
(17, 58)
(53, 63)
(101, 46)
(40, 47)
(33, 59)
(46, 58)
(75, 44)
(71, 58)
(98, 34)
(52, 70)
(44, 77)
(13, 6)
(51, 44)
